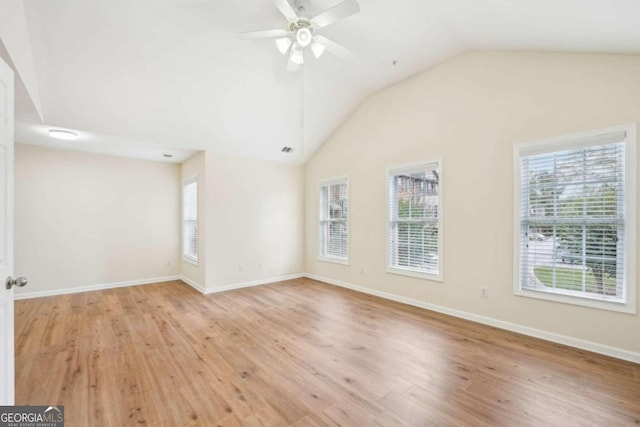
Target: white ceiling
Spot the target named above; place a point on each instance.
(144, 77)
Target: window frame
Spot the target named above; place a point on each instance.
(325, 183)
(187, 258)
(563, 143)
(407, 168)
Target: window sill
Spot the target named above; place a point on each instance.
(565, 298)
(415, 273)
(190, 261)
(334, 260)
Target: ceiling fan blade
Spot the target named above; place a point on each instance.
(264, 34)
(286, 9)
(336, 13)
(317, 49)
(334, 48)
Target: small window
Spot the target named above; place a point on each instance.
(415, 221)
(334, 221)
(190, 220)
(575, 213)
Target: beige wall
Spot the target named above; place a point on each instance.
(471, 111)
(195, 274)
(254, 219)
(86, 219)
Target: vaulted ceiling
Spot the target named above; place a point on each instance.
(144, 77)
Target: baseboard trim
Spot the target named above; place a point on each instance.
(193, 284)
(524, 330)
(253, 283)
(39, 294)
(196, 286)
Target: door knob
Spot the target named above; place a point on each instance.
(18, 281)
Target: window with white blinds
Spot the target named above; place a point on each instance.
(334, 220)
(190, 220)
(574, 220)
(415, 221)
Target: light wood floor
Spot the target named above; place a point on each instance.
(300, 353)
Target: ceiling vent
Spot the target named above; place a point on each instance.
(286, 149)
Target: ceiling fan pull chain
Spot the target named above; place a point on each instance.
(302, 114)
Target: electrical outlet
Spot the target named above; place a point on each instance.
(168, 263)
(484, 292)
(259, 266)
(361, 270)
(241, 268)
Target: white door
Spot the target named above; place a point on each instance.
(6, 234)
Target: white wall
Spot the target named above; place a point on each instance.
(254, 219)
(195, 274)
(471, 111)
(86, 219)
(14, 35)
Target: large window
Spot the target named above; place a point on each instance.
(190, 220)
(415, 228)
(334, 223)
(575, 215)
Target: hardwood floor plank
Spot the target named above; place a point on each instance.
(265, 417)
(300, 353)
(420, 414)
(387, 419)
(104, 406)
(342, 414)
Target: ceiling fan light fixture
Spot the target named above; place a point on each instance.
(317, 49)
(283, 44)
(303, 36)
(297, 57)
(302, 31)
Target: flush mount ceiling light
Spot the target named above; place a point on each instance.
(63, 134)
(300, 32)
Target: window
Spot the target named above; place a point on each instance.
(190, 220)
(575, 216)
(334, 223)
(415, 225)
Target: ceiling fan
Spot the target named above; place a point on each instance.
(301, 32)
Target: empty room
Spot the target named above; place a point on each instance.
(319, 213)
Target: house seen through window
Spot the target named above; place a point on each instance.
(414, 220)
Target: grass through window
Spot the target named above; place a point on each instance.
(571, 279)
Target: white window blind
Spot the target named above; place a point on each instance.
(573, 236)
(334, 224)
(190, 219)
(415, 231)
